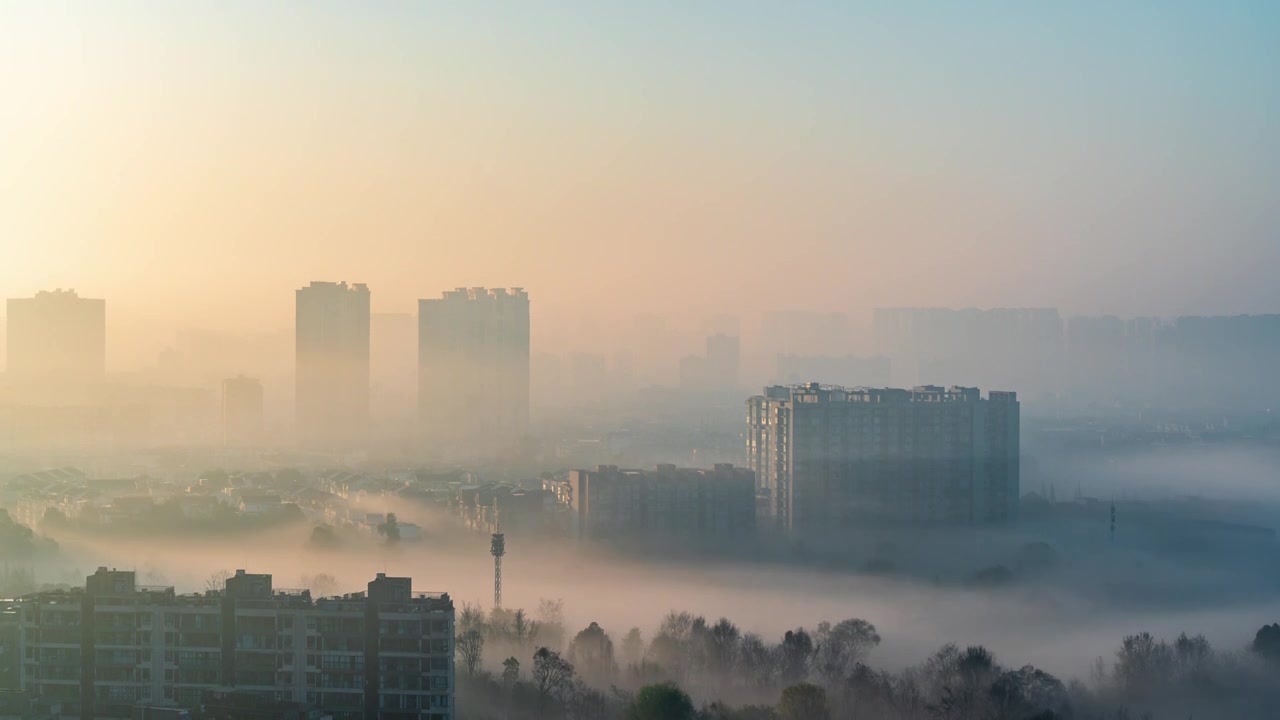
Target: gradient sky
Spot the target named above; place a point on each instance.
(194, 162)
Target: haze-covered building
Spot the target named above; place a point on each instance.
(608, 502)
(473, 368)
(332, 364)
(829, 457)
(56, 345)
(242, 423)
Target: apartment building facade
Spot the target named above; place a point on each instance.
(829, 456)
(608, 502)
(382, 654)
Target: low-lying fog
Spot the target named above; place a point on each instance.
(1060, 621)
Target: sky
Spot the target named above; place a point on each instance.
(196, 162)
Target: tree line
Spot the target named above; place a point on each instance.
(514, 665)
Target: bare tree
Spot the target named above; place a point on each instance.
(471, 618)
(217, 580)
(470, 646)
(552, 674)
(320, 584)
(523, 629)
(551, 620)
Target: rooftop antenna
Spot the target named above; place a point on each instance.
(497, 548)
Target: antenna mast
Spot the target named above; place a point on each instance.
(497, 548)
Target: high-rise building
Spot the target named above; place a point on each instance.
(384, 654)
(1006, 347)
(55, 340)
(242, 411)
(845, 370)
(724, 362)
(607, 502)
(805, 332)
(829, 457)
(332, 361)
(473, 368)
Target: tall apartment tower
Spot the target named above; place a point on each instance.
(473, 368)
(57, 341)
(724, 362)
(242, 411)
(332, 364)
(829, 456)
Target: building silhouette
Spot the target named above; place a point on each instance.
(332, 364)
(384, 654)
(242, 424)
(612, 503)
(473, 368)
(828, 457)
(56, 345)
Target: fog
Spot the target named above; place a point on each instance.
(1060, 619)
(961, 322)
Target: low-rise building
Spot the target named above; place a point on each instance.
(608, 502)
(384, 654)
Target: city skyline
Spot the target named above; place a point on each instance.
(1079, 152)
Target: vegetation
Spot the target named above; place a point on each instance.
(713, 671)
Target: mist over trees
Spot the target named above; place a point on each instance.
(693, 668)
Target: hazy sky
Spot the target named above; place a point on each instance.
(203, 159)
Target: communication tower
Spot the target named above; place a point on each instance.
(497, 548)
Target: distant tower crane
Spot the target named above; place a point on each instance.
(497, 548)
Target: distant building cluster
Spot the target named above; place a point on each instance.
(115, 646)
(830, 457)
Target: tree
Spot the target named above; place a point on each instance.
(803, 701)
(843, 646)
(1142, 663)
(551, 622)
(1266, 642)
(756, 661)
(510, 671)
(794, 656)
(471, 617)
(1192, 655)
(390, 529)
(1029, 692)
(470, 645)
(632, 647)
(592, 652)
(16, 540)
(320, 584)
(523, 630)
(324, 538)
(664, 701)
(552, 674)
(217, 581)
(722, 644)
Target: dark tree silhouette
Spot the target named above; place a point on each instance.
(470, 646)
(1267, 642)
(795, 655)
(664, 701)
